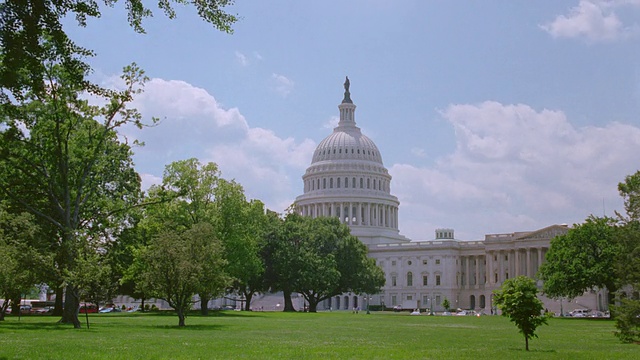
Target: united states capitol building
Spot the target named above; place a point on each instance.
(347, 179)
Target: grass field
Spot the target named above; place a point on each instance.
(327, 335)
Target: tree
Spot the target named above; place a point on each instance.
(319, 258)
(25, 25)
(517, 298)
(627, 313)
(446, 304)
(179, 264)
(22, 263)
(61, 159)
(582, 259)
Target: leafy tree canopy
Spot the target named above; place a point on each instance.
(517, 298)
(179, 264)
(582, 259)
(24, 24)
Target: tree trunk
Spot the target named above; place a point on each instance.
(3, 308)
(15, 309)
(204, 304)
(313, 305)
(57, 308)
(288, 304)
(247, 304)
(180, 317)
(71, 306)
(526, 341)
(142, 305)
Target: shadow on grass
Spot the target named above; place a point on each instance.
(196, 327)
(533, 350)
(36, 326)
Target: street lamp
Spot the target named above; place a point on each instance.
(431, 308)
(368, 298)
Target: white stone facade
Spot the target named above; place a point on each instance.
(347, 179)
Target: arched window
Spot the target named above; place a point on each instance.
(346, 182)
(409, 278)
(338, 185)
(324, 183)
(368, 183)
(361, 183)
(330, 183)
(353, 182)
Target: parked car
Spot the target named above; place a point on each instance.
(110, 310)
(88, 308)
(580, 313)
(43, 310)
(446, 313)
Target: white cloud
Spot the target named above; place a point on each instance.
(242, 59)
(515, 168)
(418, 152)
(332, 122)
(150, 179)
(593, 20)
(281, 84)
(194, 124)
(257, 55)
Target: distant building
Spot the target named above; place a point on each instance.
(347, 179)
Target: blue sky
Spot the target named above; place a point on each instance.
(493, 116)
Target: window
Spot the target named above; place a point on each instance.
(393, 300)
(346, 182)
(394, 281)
(393, 263)
(353, 182)
(506, 275)
(496, 278)
(361, 183)
(424, 262)
(324, 183)
(425, 299)
(338, 183)
(409, 297)
(381, 263)
(409, 262)
(437, 261)
(368, 183)
(409, 278)
(425, 280)
(331, 183)
(437, 280)
(437, 299)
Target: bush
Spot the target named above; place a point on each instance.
(627, 317)
(154, 307)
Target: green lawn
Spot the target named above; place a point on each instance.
(327, 335)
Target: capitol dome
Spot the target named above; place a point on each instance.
(347, 179)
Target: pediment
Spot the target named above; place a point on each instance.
(546, 233)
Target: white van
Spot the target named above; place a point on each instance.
(580, 312)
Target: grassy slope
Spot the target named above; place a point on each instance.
(336, 335)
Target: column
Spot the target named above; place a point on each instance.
(467, 271)
(539, 258)
(528, 259)
(477, 282)
(488, 267)
(517, 262)
(500, 267)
